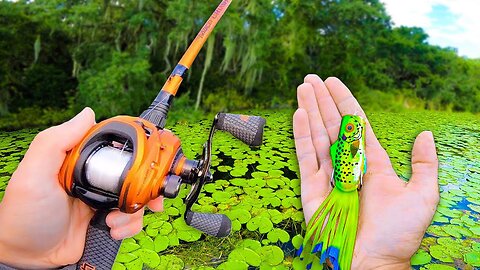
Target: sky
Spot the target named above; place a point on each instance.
(449, 23)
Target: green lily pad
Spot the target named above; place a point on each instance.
(297, 241)
(147, 243)
(149, 257)
(242, 215)
(438, 252)
(125, 257)
(271, 255)
(259, 175)
(221, 196)
(435, 266)
(421, 257)
(233, 265)
(475, 230)
(472, 258)
(161, 243)
(185, 232)
(278, 235)
(238, 172)
(136, 264)
(249, 243)
(127, 247)
(118, 266)
(263, 224)
(245, 255)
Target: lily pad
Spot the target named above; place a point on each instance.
(161, 243)
(297, 241)
(221, 196)
(438, 252)
(263, 224)
(249, 243)
(472, 258)
(245, 255)
(271, 255)
(278, 235)
(420, 257)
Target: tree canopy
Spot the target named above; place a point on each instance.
(115, 55)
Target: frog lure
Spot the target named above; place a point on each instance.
(332, 230)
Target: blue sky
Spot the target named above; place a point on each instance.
(449, 23)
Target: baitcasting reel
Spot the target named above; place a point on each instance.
(124, 162)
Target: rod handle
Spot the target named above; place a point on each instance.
(100, 248)
(247, 128)
(217, 225)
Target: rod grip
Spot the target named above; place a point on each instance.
(247, 128)
(100, 248)
(217, 225)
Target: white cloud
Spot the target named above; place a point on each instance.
(463, 33)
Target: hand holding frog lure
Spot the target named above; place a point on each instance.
(332, 230)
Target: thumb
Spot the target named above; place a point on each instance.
(425, 164)
(65, 136)
(49, 147)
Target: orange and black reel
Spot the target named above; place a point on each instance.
(105, 168)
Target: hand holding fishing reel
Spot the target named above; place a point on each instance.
(124, 162)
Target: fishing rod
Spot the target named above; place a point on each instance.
(124, 162)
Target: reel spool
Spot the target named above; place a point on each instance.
(124, 162)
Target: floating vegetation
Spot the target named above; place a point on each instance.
(259, 190)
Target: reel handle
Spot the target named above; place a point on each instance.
(100, 248)
(248, 129)
(217, 225)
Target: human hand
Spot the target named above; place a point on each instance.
(40, 225)
(394, 214)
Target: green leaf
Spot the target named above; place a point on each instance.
(271, 255)
(263, 224)
(118, 266)
(472, 258)
(125, 257)
(233, 265)
(297, 241)
(127, 247)
(147, 243)
(221, 196)
(161, 243)
(249, 243)
(134, 265)
(420, 257)
(149, 257)
(245, 255)
(438, 252)
(276, 235)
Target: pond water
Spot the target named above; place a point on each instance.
(259, 190)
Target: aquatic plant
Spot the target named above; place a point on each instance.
(259, 190)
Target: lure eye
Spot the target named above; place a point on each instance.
(349, 127)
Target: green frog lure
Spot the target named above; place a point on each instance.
(332, 230)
